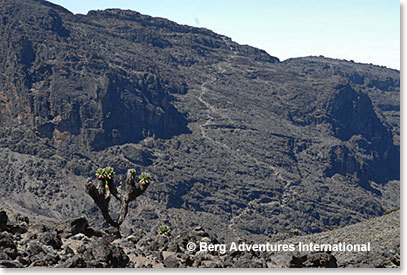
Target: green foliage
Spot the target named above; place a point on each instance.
(133, 171)
(100, 173)
(145, 178)
(109, 172)
(295, 231)
(105, 173)
(163, 230)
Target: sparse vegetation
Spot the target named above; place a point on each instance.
(145, 178)
(163, 230)
(295, 231)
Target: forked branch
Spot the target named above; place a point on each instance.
(127, 192)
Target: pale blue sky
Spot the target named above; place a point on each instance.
(365, 31)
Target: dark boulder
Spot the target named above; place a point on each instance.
(172, 262)
(76, 261)
(79, 225)
(322, 259)
(104, 251)
(51, 238)
(7, 245)
(10, 264)
(72, 227)
(41, 255)
(20, 228)
(3, 220)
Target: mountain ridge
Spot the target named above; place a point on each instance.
(236, 139)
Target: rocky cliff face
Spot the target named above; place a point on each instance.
(55, 87)
(235, 139)
(367, 145)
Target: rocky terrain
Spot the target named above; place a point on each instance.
(236, 140)
(73, 244)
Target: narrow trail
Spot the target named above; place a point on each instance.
(210, 119)
(211, 112)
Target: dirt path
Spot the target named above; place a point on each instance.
(211, 113)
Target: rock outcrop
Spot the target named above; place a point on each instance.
(56, 246)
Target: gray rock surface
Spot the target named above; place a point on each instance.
(147, 250)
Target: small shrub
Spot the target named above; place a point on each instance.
(133, 171)
(295, 231)
(163, 230)
(145, 178)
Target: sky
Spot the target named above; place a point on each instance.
(366, 31)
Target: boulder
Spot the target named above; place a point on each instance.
(114, 256)
(79, 225)
(76, 261)
(3, 220)
(171, 262)
(20, 228)
(51, 238)
(72, 227)
(41, 255)
(322, 259)
(7, 245)
(10, 264)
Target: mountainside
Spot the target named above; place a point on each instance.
(235, 139)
